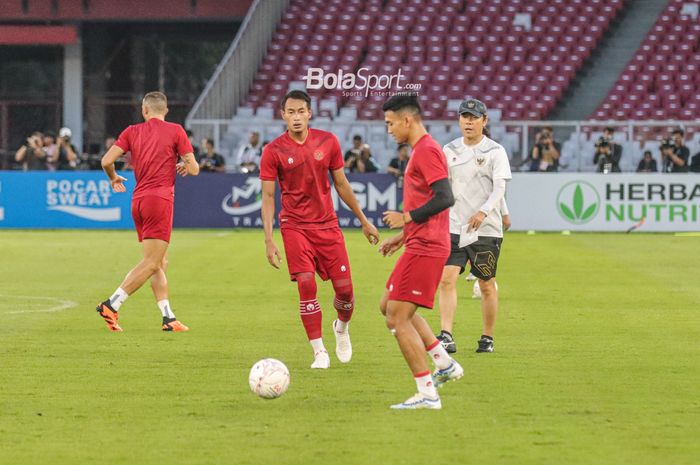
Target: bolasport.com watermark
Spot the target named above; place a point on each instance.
(361, 83)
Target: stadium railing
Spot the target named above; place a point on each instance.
(577, 138)
(234, 74)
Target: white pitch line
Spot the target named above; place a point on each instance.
(61, 304)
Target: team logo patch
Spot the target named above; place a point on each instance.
(480, 161)
(290, 160)
(470, 104)
(343, 268)
(318, 155)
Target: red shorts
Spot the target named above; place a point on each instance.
(319, 250)
(153, 217)
(415, 279)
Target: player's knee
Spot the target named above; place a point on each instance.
(307, 285)
(447, 283)
(153, 265)
(164, 264)
(488, 288)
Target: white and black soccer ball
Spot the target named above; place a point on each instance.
(269, 378)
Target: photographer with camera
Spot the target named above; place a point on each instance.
(210, 160)
(64, 156)
(607, 153)
(674, 155)
(31, 155)
(545, 154)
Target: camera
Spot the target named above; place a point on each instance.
(666, 144)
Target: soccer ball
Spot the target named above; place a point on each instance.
(269, 378)
(476, 290)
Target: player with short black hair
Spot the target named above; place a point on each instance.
(300, 160)
(414, 280)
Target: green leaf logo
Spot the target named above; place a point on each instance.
(578, 202)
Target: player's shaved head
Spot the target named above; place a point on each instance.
(156, 102)
(402, 104)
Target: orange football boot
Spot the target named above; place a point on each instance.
(110, 316)
(175, 326)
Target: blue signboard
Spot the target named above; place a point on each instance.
(84, 199)
(63, 199)
(213, 200)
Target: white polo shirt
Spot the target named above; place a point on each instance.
(472, 171)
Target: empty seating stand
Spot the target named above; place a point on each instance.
(452, 48)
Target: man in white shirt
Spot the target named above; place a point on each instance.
(248, 158)
(478, 172)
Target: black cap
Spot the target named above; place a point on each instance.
(473, 107)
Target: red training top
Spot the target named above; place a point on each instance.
(155, 146)
(426, 165)
(302, 172)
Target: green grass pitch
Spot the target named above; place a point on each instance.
(597, 358)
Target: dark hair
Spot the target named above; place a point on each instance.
(50, 134)
(189, 132)
(210, 141)
(403, 146)
(647, 152)
(296, 94)
(610, 129)
(400, 102)
(357, 137)
(678, 131)
(486, 131)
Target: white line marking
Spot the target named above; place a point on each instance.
(60, 304)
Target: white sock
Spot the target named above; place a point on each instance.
(165, 310)
(118, 298)
(425, 385)
(439, 355)
(341, 326)
(317, 345)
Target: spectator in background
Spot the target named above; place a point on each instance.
(678, 155)
(31, 155)
(352, 155)
(647, 164)
(49, 142)
(209, 159)
(546, 152)
(195, 147)
(366, 163)
(673, 158)
(397, 166)
(607, 152)
(65, 155)
(695, 163)
(248, 157)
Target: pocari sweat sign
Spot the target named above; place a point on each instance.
(60, 199)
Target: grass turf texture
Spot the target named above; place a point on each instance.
(596, 358)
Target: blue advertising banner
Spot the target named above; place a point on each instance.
(63, 199)
(214, 200)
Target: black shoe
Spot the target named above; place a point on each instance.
(485, 344)
(447, 342)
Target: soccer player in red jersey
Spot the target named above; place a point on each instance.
(426, 198)
(155, 147)
(300, 160)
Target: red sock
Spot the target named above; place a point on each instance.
(311, 318)
(344, 302)
(309, 309)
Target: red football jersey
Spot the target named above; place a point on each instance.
(302, 172)
(155, 146)
(426, 165)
